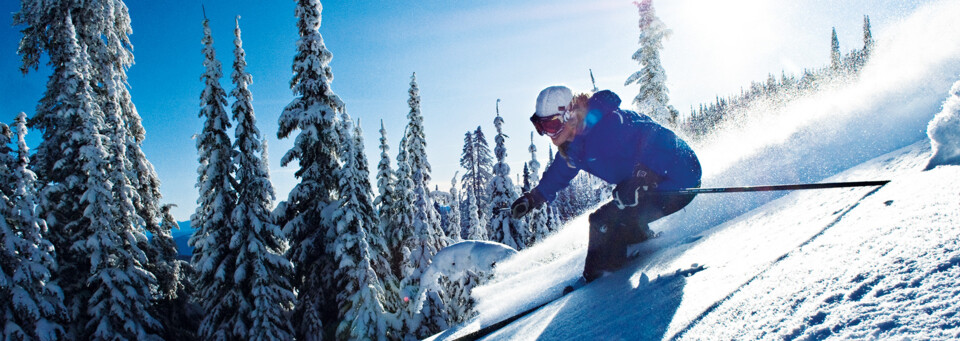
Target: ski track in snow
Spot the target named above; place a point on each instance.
(840, 263)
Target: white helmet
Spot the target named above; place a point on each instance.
(554, 100)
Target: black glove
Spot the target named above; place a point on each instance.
(629, 192)
(527, 202)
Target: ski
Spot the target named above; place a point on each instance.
(482, 332)
(477, 334)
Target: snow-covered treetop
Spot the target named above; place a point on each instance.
(416, 138)
(652, 98)
(534, 165)
(312, 76)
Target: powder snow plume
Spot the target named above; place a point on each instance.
(899, 90)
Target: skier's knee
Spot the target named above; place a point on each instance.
(603, 214)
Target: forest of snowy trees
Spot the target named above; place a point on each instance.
(88, 253)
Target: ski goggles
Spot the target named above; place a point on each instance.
(549, 125)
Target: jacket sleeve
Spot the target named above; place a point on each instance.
(556, 177)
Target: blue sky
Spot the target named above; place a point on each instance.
(467, 54)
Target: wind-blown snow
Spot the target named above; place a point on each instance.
(844, 263)
(900, 89)
(944, 131)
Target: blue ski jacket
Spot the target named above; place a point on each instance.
(614, 142)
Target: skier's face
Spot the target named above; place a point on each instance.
(567, 134)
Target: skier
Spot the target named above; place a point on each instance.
(621, 147)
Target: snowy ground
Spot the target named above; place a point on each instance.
(878, 262)
(869, 264)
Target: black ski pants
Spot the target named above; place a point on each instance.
(613, 229)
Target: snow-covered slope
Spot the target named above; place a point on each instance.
(877, 264)
(845, 263)
(862, 262)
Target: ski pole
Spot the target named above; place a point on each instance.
(768, 188)
(773, 187)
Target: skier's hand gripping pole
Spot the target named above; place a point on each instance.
(629, 192)
(526, 203)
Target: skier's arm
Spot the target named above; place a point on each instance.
(556, 177)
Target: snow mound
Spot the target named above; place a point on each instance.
(461, 259)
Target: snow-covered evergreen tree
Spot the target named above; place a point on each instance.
(113, 296)
(484, 172)
(214, 262)
(120, 306)
(835, 63)
(539, 224)
(101, 31)
(477, 162)
(533, 163)
(262, 279)
(304, 214)
(477, 226)
(139, 175)
(380, 256)
(416, 139)
(538, 219)
(33, 307)
(425, 236)
(455, 233)
(402, 227)
(859, 58)
(524, 180)
(386, 181)
(553, 213)
(87, 201)
(868, 41)
(466, 161)
(653, 97)
(106, 34)
(398, 239)
(503, 228)
(360, 293)
(461, 304)
(386, 203)
(123, 290)
(45, 30)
